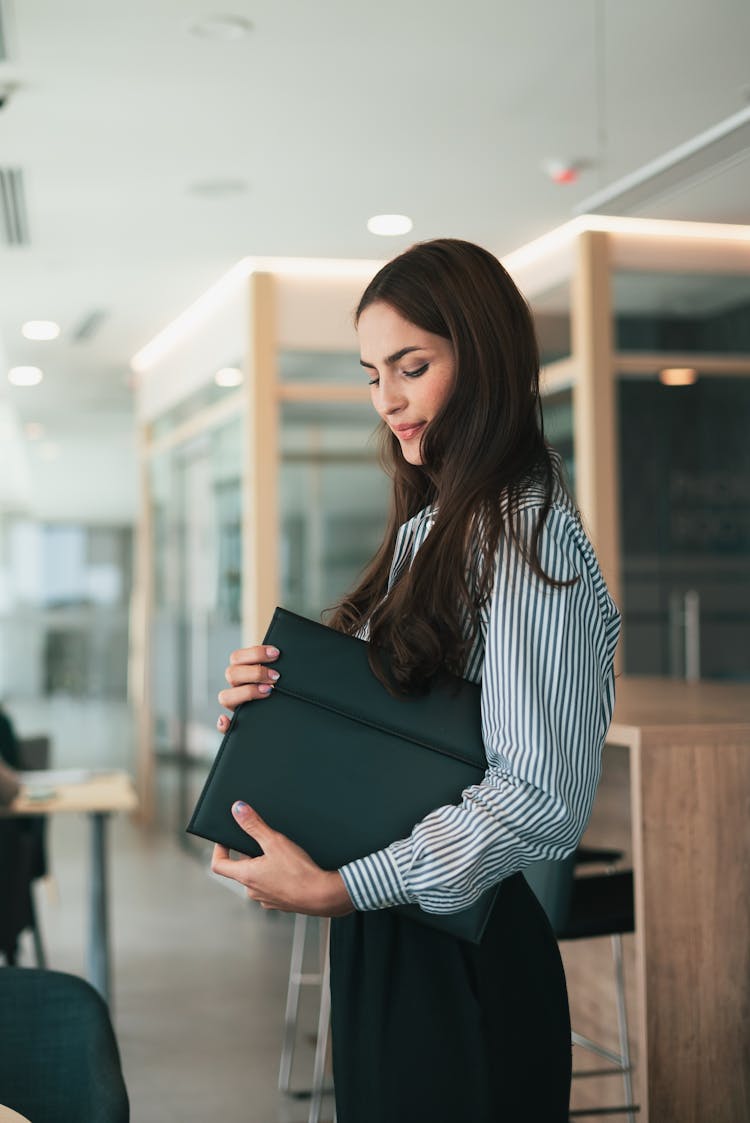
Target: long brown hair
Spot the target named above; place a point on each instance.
(478, 453)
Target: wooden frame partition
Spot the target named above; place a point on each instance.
(264, 311)
(687, 743)
(594, 404)
(260, 546)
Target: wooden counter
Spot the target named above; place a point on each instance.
(689, 748)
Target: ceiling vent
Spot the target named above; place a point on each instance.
(89, 325)
(707, 154)
(13, 207)
(7, 31)
(4, 53)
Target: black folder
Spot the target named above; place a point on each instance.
(341, 766)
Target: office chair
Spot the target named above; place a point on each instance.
(17, 912)
(23, 858)
(582, 908)
(59, 1059)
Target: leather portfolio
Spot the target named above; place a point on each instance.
(341, 766)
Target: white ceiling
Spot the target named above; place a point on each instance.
(330, 112)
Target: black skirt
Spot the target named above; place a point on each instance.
(430, 1028)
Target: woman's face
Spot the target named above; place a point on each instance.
(411, 373)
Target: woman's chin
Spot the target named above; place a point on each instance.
(412, 456)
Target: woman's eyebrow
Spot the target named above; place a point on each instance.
(394, 358)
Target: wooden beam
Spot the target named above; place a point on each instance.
(556, 376)
(322, 392)
(595, 405)
(634, 363)
(260, 515)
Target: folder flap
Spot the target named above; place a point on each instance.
(327, 668)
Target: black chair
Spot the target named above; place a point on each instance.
(16, 901)
(33, 755)
(583, 908)
(59, 1059)
(23, 855)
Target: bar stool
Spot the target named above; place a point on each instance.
(582, 908)
(297, 979)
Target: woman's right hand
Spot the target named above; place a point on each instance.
(249, 679)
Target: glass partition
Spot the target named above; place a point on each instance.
(685, 526)
(334, 500)
(196, 493)
(681, 312)
(558, 429)
(331, 367)
(552, 318)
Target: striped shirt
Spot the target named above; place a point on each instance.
(544, 659)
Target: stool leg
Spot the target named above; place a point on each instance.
(41, 958)
(324, 1021)
(622, 1022)
(292, 1002)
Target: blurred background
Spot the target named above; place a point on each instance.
(186, 206)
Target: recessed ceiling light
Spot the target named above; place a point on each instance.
(389, 224)
(678, 376)
(40, 329)
(25, 376)
(228, 376)
(223, 28)
(34, 430)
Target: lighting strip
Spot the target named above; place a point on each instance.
(563, 236)
(559, 239)
(214, 297)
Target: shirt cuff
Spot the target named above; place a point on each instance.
(374, 882)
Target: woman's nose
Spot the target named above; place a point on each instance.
(392, 398)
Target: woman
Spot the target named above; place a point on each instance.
(484, 570)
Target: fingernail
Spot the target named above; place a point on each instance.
(272, 652)
(273, 675)
(239, 808)
(266, 688)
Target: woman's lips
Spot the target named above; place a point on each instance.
(406, 432)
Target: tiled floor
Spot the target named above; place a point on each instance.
(200, 974)
(199, 979)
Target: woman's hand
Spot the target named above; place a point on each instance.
(285, 877)
(249, 679)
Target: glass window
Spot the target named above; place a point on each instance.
(685, 526)
(334, 500)
(558, 429)
(551, 310)
(196, 496)
(676, 312)
(321, 366)
(64, 610)
(207, 395)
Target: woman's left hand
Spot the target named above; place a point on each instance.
(284, 877)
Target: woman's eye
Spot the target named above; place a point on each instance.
(416, 373)
(373, 382)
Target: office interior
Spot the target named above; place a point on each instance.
(185, 198)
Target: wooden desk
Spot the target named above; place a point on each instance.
(98, 797)
(689, 747)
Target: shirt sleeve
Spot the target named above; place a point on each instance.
(547, 699)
